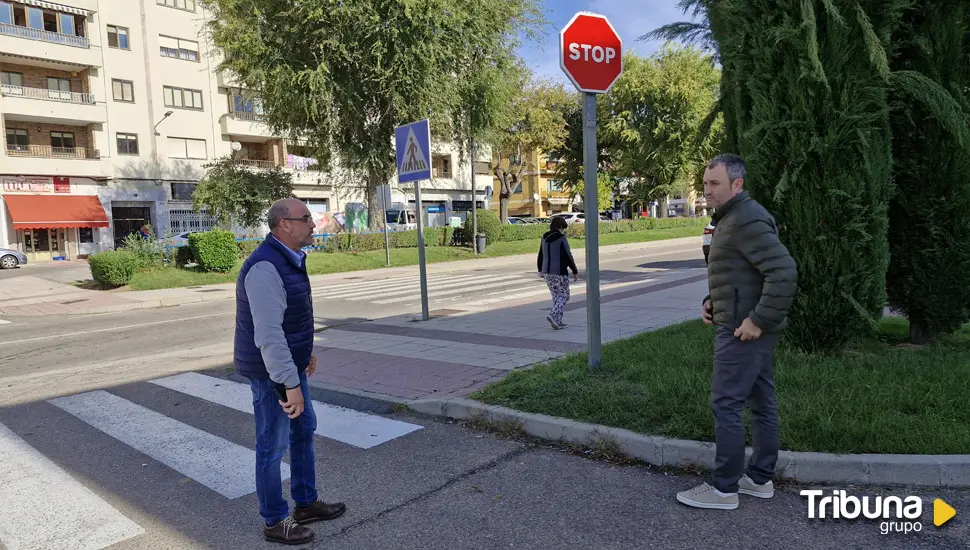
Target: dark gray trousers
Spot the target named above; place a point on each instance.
(743, 373)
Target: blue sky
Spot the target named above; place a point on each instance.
(630, 18)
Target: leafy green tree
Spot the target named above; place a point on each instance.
(605, 186)
(238, 194)
(929, 226)
(657, 110)
(534, 123)
(342, 75)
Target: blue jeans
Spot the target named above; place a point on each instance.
(274, 432)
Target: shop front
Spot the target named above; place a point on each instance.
(54, 226)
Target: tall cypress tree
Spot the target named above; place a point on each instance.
(929, 231)
(804, 94)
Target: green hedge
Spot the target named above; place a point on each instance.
(215, 250)
(445, 236)
(115, 267)
(488, 224)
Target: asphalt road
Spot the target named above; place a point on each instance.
(72, 343)
(157, 468)
(100, 445)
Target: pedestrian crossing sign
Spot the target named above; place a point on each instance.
(412, 143)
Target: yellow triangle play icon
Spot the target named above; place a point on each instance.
(942, 512)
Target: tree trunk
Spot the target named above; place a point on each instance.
(373, 208)
(919, 332)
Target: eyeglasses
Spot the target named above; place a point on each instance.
(304, 219)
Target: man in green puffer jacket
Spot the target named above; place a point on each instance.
(752, 280)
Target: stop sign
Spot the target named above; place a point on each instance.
(591, 52)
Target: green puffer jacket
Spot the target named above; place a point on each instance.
(750, 272)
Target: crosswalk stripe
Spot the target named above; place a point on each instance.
(2, 322)
(345, 425)
(350, 288)
(43, 508)
(397, 290)
(456, 289)
(220, 465)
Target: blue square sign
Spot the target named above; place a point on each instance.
(413, 147)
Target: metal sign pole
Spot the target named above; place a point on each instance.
(387, 239)
(471, 142)
(592, 231)
(424, 276)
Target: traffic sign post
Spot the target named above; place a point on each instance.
(591, 55)
(413, 148)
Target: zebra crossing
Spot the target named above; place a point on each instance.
(68, 515)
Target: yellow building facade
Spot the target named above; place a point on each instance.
(539, 194)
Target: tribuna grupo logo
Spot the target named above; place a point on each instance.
(898, 514)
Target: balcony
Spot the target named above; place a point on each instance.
(238, 123)
(50, 106)
(257, 163)
(45, 160)
(556, 196)
(48, 46)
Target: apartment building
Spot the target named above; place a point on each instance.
(111, 108)
(539, 194)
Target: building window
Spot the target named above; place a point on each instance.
(127, 144)
(118, 37)
(123, 90)
(182, 98)
(58, 88)
(178, 48)
(16, 139)
(14, 80)
(187, 5)
(186, 148)
(62, 140)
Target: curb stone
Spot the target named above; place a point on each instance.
(938, 471)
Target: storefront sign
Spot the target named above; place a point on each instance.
(35, 185)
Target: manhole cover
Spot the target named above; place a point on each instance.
(69, 302)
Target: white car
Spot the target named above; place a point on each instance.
(708, 235)
(572, 217)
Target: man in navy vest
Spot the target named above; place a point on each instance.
(274, 349)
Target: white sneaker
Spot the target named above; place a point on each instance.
(705, 496)
(746, 486)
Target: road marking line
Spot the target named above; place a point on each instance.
(342, 289)
(110, 329)
(2, 322)
(441, 291)
(43, 508)
(345, 425)
(399, 289)
(220, 465)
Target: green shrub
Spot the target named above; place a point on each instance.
(488, 224)
(215, 250)
(114, 267)
(247, 247)
(148, 251)
(518, 232)
(184, 256)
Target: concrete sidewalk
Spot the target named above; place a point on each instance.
(459, 351)
(30, 295)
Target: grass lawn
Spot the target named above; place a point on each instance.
(320, 263)
(875, 397)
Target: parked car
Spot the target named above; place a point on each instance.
(708, 235)
(572, 217)
(10, 258)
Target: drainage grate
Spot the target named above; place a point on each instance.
(69, 302)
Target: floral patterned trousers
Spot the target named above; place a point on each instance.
(559, 288)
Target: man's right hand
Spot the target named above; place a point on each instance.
(294, 402)
(707, 312)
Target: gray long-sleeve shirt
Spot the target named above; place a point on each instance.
(267, 302)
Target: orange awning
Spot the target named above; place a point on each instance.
(46, 211)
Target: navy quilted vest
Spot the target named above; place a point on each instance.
(297, 319)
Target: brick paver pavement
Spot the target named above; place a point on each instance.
(460, 351)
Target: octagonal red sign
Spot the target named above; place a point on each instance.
(591, 52)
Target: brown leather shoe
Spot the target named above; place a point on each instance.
(288, 531)
(319, 511)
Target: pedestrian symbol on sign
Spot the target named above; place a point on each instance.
(414, 158)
